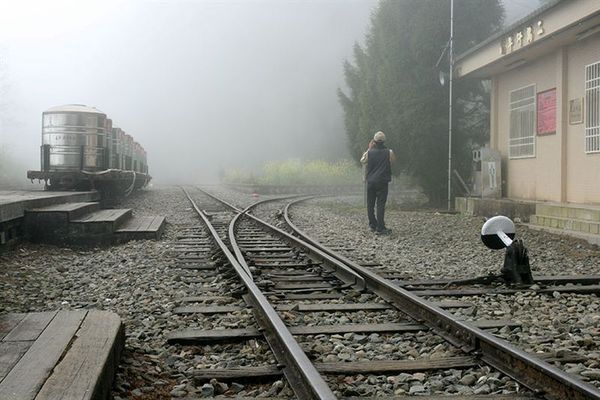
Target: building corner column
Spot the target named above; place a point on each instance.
(563, 117)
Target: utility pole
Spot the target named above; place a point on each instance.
(451, 49)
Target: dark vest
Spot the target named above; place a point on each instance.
(378, 165)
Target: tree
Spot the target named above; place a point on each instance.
(393, 86)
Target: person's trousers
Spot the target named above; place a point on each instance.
(377, 193)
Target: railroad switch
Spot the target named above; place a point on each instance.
(516, 269)
(499, 232)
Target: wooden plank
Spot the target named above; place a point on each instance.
(87, 370)
(30, 327)
(10, 354)
(145, 224)
(265, 248)
(333, 307)
(201, 336)
(489, 323)
(25, 379)
(356, 328)
(157, 224)
(279, 272)
(297, 278)
(289, 286)
(241, 373)
(452, 304)
(206, 309)
(194, 299)
(268, 250)
(8, 322)
(395, 366)
(313, 296)
(349, 368)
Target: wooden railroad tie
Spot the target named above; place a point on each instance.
(319, 307)
(200, 336)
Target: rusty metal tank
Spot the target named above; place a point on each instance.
(73, 138)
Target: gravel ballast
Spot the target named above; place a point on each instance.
(138, 281)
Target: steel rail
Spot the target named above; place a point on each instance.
(304, 379)
(539, 376)
(346, 274)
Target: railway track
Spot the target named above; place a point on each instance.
(330, 322)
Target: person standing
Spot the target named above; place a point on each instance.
(378, 160)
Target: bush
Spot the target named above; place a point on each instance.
(296, 172)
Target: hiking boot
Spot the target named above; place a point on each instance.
(384, 231)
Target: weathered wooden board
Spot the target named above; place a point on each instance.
(91, 360)
(201, 336)
(74, 357)
(10, 353)
(298, 285)
(197, 299)
(26, 378)
(333, 307)
(350, 368)
(394, 366)
(313, 296)
(8, 322)
(452, 304)
(206, 309)
(30, 327)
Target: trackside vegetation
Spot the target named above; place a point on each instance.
(298, 172)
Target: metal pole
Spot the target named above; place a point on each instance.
(450, 106)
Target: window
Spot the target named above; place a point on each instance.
(592, 108)
(521, 141)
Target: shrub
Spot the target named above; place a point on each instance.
(296, 172)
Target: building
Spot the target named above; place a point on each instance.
(545, 102)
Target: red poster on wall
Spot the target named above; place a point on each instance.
(546, 112)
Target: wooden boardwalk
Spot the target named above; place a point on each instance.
(59, 354)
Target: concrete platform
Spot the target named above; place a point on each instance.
(59, 354)
(516, 209)
(581, 221)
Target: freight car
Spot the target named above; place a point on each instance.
(82, 150)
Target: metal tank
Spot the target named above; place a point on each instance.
(117, 145)
(127, 152)
(73, 138)
(108, 144)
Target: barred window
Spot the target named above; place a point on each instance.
(521, 141)
(592, 108)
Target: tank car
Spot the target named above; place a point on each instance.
(82, 149)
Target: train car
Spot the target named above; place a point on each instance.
(82, 149)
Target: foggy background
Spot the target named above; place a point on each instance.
(202, 85)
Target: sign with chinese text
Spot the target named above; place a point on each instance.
(576, 111)
(521, 38)
(546, 112)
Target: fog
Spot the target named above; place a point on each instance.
(202, 85)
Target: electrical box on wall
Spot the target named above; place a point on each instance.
(487, 173)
